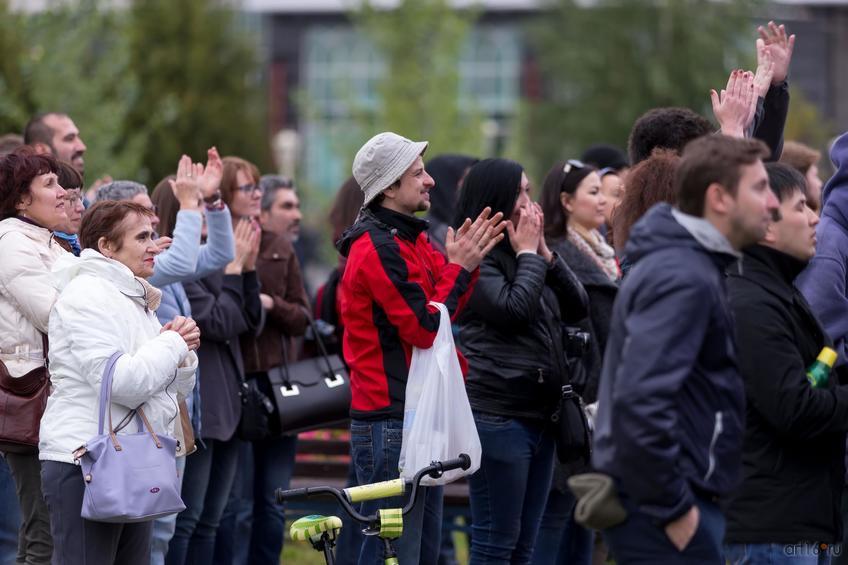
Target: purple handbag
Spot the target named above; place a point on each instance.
(131, 477)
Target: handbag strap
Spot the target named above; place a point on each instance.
(321, 347)
(106, 406)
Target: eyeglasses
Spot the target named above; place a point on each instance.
(572, 164)
(250, 189)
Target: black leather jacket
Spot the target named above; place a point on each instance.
(511, 333)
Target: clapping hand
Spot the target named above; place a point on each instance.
(246, 236)
(185, 186)
(780, 47)
(210, 178)
(732, 108)
(188, 330)
(468, 245)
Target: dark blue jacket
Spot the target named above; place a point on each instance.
(671, 401)
(824, 281)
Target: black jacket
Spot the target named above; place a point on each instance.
(792, 460)
(671, 401)
(601, 291)
(511, 333)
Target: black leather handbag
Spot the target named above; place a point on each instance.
(313, 393)
(572, 433)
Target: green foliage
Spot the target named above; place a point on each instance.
(71, 59)
(605, 65)
(197, 88)
(144, 86)
(805, 123)
(421, 42)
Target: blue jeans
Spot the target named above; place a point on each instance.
(207, 482)
(163, 528)
(376, 451)
(561, 539)
(509, 491)
(10, 517)
(253, 526)
(640, 540)
(351, 537)
(778, 554)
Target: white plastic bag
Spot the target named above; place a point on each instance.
(437, 420)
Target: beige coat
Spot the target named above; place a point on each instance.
(27, 294)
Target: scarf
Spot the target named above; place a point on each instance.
(591, 243)
(152, 295)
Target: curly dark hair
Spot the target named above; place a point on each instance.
(648, 183)
(665, 128)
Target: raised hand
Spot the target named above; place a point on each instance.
(765, 69)
(543, 245)
(185, 186)
(780, 47)
(163, 243)
(210, 179)
(243, 234)
(255, 236)
(525, 236)
(732, 108)
(468, 245)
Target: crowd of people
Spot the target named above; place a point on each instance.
(682, 289)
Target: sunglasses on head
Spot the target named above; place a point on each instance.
(571, 165)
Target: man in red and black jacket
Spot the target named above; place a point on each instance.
(392, 274)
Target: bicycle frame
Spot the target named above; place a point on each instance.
(386, 489)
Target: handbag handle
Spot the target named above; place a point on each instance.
(322, 348)
(106, 404)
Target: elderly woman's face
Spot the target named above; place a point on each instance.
(45, 203)
(137, 246)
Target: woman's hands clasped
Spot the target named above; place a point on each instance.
(188, 330)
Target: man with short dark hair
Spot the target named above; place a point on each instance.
(671, 402)
(280, 207)
(794, 444)
(392, 275)
(56, 133)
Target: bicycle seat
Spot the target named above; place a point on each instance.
(312, 527)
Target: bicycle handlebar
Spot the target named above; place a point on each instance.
(385, 489)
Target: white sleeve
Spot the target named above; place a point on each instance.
(26, 280)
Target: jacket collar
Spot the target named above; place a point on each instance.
(705, 233)
(407, 227)
(27, 227)
(773, 270)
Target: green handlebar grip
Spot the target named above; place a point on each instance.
(385, 489)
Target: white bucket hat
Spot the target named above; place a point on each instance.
(383, 160)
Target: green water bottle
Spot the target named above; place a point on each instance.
(819, 371)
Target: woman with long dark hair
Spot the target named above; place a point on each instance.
(511, 335)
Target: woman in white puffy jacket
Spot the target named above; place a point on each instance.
(32, 205)
(106, 305)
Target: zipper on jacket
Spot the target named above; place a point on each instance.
(717, 429)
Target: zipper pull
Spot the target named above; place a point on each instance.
(541, 376)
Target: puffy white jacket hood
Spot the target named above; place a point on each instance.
(101, 309)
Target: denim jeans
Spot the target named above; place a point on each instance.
(163, 528)
(207, 482)
(779, 553)
(10, 517)
(639, 540)
(351, 537)
(376, 451)
(561, 539)
(253, 526)
(509, 491)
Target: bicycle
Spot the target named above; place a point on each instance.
(387, 523)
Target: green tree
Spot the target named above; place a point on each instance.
(71, 58)
(200, 84)
(419, 95)
(606, 63)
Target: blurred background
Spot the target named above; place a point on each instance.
(298, 85)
